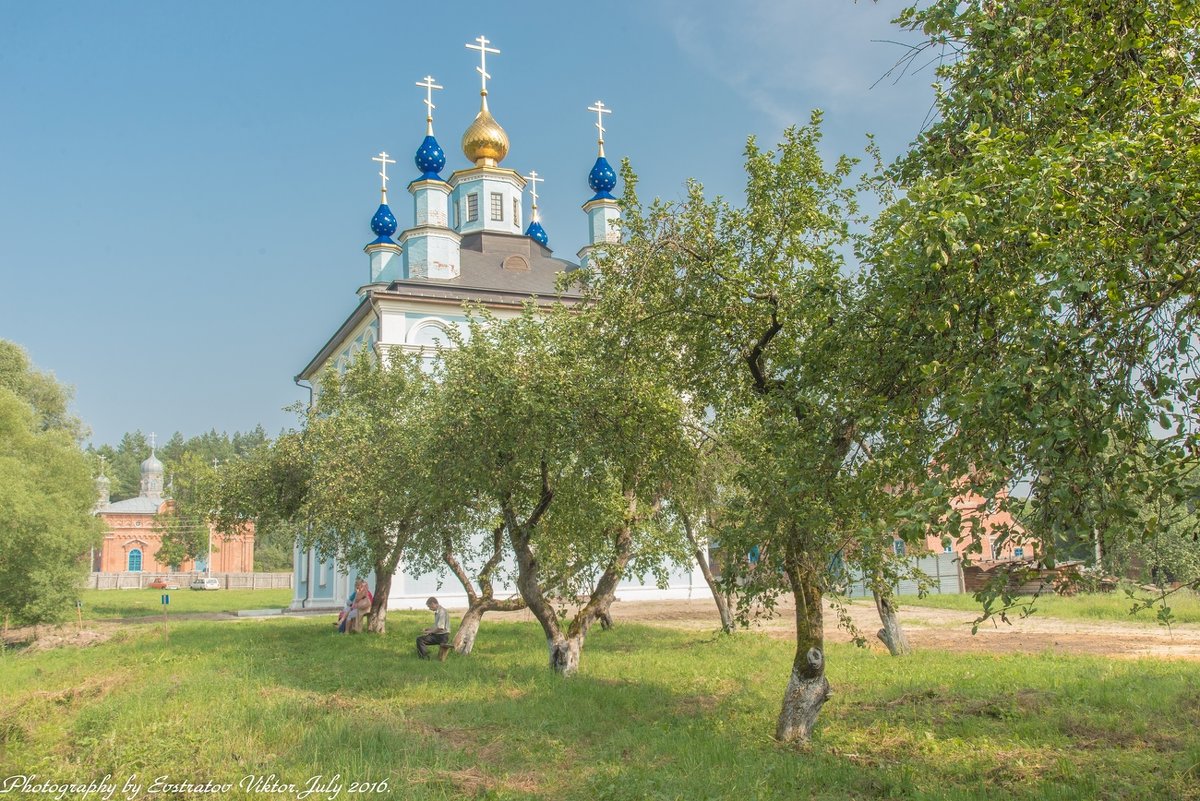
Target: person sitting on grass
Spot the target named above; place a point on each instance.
(438, 633)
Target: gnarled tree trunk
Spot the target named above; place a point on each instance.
(483, 600)
(892, 634)
(807, 689)
(564, 648)
(383, 588)
(468, 628)
(706, 571)
(385, 568)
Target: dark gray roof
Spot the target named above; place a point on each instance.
(485, 263)
(140, 505)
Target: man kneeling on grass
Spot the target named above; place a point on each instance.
(439, 633)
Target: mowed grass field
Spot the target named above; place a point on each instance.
(1108, 606)
(654, 714)
(116, 604)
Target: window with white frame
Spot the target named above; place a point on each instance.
(472, 207)
(516, 212)
(497, 206)
(429, 335)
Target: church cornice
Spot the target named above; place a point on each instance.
(430, 230)
(458, 295)
(459, 176)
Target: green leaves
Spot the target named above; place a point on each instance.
(1063, 314)
(46, 496)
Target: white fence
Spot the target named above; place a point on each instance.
(229, 581)
(944, 571)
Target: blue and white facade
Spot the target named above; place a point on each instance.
(465, 245)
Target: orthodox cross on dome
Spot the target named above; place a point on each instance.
(383, 160)
(533, 182)
(600, 110)
(429, 86)
(151, 442)
(483, 49)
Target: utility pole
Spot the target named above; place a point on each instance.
(207, 525)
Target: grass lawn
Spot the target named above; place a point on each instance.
(655, 714)
(1113, 606)
(107, 604)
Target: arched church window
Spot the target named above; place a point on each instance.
(135, 560)
(430, 335)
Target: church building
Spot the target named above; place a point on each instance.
(131, 539)
(465, 245)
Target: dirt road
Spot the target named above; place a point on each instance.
(926, 628)
(951, 630)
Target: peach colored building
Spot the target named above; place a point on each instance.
(132, 542)
(993, 526)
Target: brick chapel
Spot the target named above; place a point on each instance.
(131, 541)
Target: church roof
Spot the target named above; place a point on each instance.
(484, 259)
(141, 505)
(496, 270)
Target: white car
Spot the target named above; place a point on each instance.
(205, 583)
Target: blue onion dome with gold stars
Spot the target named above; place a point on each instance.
(602, 179)
(383, 224)
(537, 233)
(430, 159)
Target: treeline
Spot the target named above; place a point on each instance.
(122, 463)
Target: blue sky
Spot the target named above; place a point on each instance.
(185, 188)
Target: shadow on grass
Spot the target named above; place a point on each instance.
(653, 714)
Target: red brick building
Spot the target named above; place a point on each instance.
(132, 542)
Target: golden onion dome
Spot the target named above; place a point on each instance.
(485, 142)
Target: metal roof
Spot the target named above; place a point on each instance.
(141, 505)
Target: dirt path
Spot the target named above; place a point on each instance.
(951, 630)
(941, 629)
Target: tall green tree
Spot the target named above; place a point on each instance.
(46, 495)
(1041, 237)
(48, 399)
(185, 525)
(354, 481)
(776, 338)
(573, 443)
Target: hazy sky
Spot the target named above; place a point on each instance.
(185, 188)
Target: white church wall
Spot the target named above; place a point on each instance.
(483, 187)
(430, 204)
(431, 255)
